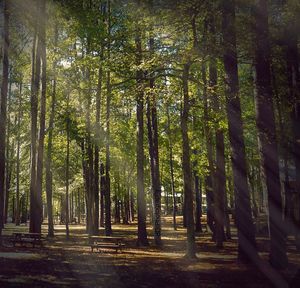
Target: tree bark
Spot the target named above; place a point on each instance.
(186, 167)
(48, 164)
(171, 169)
(9, 155)
(18, 159)
(209, 145)
(244, 222)
(108, 230)
(102, 194)
(97, 144)
(141, 197)
(67, 166)
(40, 151)
(219, 172)
(35, 83)
(267, 136)
(154, 155)
(293, 74)
(4, 88)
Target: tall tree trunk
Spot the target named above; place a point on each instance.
(18, 159)
(141, 197)
(154, 155)
(198, 212)
(48, 164)
(186, 167)
(108, 230)
(219, 173)
(244, 222)
(78, 206)
(292, 59)
(9, 155)
(267, 136)
(171, 169)
(67, 166)
(4, 88)
(97, 161)
(35, 84)
(40, 152)
(209, 145)
(102, 194)
(131, 206)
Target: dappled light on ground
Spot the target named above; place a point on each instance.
(70, 263)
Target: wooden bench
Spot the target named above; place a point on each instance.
(106, 242)
(27, 238)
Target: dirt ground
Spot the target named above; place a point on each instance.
(62, 263)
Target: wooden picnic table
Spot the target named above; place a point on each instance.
(106, 242)
(27, 238)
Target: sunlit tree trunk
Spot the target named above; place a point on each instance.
(67, 166)
(186, 167)
(154, 154)
(108, 229)
(209, 147)
(4, 88)
(102, 194)
(18, 158)
(48, 162)
(40, 151)
(35, 84)
(141, 197)
(97, 160)
(9, 154)
(171, 169)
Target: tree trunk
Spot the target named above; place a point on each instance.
(198, 213)
(9, 155)
(108, 230)
(18, 159)
(67, 166)
(186, 167)
(267, 137)
(292, 59)
(40, 151)
(141, 197)
(35, 220)
(171, 169)
(4, 88)
(131, 206)
(154, 155)
(219, 173)
(102, 194)
(97, 144)
(49, 175)
(243, 217)
(78, 206)
(209, 145)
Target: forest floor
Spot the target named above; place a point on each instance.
(70, 263)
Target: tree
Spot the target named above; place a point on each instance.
(141, 201)
(40, 151)
(186, 167)
(48, 160)
(154, 153)
(267, 136)
(4, 88)
(246, 232)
